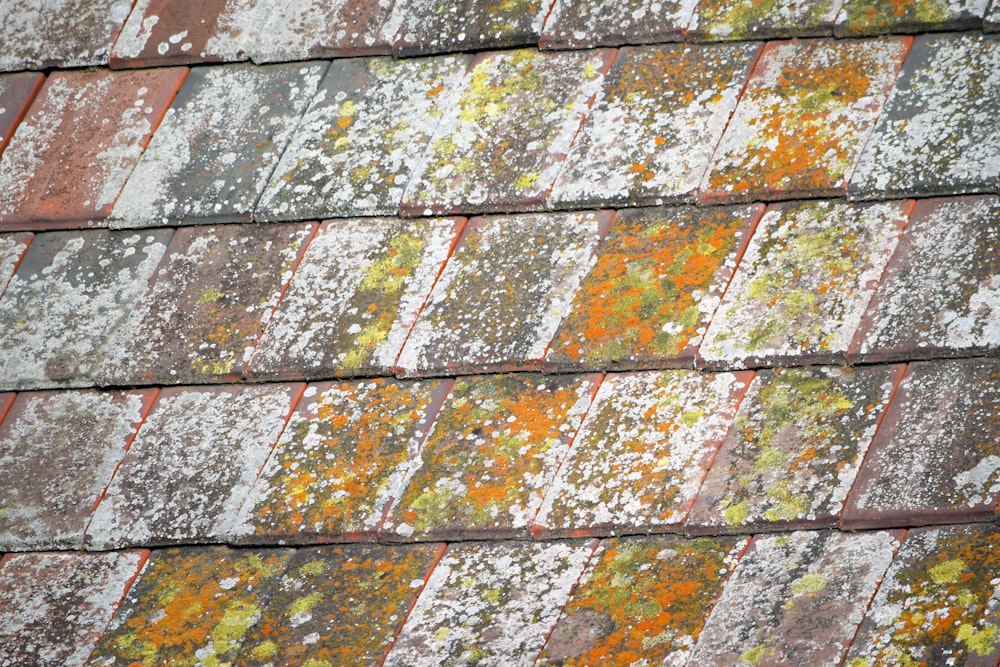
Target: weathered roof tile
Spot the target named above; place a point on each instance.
(168, 32)
(343, 456)
(991, 21)
(795, 599)
(16, 93)
(431, 26)
(54, 606)
(581, 24)
(872, 17)
(78, 143)
(655, 284)
(934, 458)
(499, 148)
(213, 153)
(802, 120)
(191, 466)
(731, 20)
(651, 133)
(354, 297)
(490, 602)
(490, 456)
(69, 294)
(642, 452)
(938, 604)
(938, 132)
(794, 450)
(361, 138)
(12, 249)
(802, 287)
(313, 28)
(502, 294)
(58, 451)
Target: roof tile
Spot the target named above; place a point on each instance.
(795, 599)
(38, 34)
(872, 17)
(651, 133)
(779, 308)
(499, 300)
(281, 30)
(429, 26)
(656, 282)
(642, 452)
(54, 606)
(58, 451)
(991, 21)
(802, 120)
(212, 295)
(77, 145)
(229, 126)
(490, 456)
(12, 249)
(934, 458)
(69, 294)
(16, 93)
(938, 603)
(499, 148)
(341, 459)
(940, 294)
(580, 24)
(354, 297)
(489, 602)
(938, 133)
(191, 606)
(168, 32)
(339, 605)
(794, 450)
(750, 19)
(361, 138)
(191, 466)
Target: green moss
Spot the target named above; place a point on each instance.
(737, 514)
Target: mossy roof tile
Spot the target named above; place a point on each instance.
(871, 17)
(16, 92)
(732, 20)
(574, 24)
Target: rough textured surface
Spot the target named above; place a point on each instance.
(490, 456)
(58, 451)
(872, 17)
(191, 466)
(429, 26)
(940, 295)
(361, 138)
(991, 21)
(213, 153)
(642, 601)
(54, 606)
(83, 134)
(655, 284)
(795, 599)
(935, 458)
(803, 119)
(340, 461)
(732, 20)
(354, 297)
(500, 298)
(190, 607)
(16, 93)
(338, 606)
(938, 133)
(70, 292)
(650, 135)
(803, 285)
(517, 113)
(168, 32)
(490, 604)
(581, 24)
(794, 450)
(642, 452)
(938, 603)
(12, 249)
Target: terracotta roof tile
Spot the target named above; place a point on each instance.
(168, 32)
(871, 17)
(731, 20)
(12, 249)
(191, 466)
(430, 26)
(16, 92)
(582, 24)
(58, 451)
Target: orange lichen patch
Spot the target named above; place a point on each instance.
(493, 450)
(655, 284)
(938, 604)
(190, 606)
(338, 606)
(803, 119)
(643, 601)
(340, 460)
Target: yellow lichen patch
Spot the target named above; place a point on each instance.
(872, 17)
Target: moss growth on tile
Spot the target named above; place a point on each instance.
(872, 17)
(749, 19)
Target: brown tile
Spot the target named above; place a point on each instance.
(169, 32)
(934, 458)
(74, 150)
(429, 26)
(12, 249)
(574, 24)
(872, 17)
(735, 20)
(16, 93)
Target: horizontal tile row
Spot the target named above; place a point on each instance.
(502, 132)
(725, 288)
(502, 456)
(149, 33)
(927, 596)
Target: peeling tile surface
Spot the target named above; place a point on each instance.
(191, 466)
(642, 452)
(732, 20)
(70, 292)
(804, 283)
(361, 138)
(16, 91)
(581, 24)
(871, 17)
